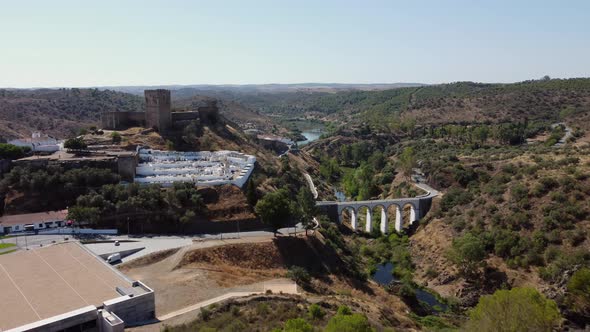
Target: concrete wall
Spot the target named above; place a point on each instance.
(109, 322)
(86, 315)
(134, 309)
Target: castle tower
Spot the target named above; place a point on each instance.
(157, 114)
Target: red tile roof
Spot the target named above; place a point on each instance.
(32, 218)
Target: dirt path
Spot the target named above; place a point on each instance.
(178, 287)
(285, 287)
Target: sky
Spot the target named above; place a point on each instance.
(125, 42)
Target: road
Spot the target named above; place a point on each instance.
(314, 191)
(566, 136)
(149, 243)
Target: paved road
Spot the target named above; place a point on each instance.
(152, 244)
(314, 191)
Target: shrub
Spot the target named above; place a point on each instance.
(116, 137)
(298, 274)
(262, 309)
(316, 312)
(454, 197)
(205, 314)
(75, 144)
(344, 310)
(297, 325)
(518, 309)
(578, 297)
(349, 323)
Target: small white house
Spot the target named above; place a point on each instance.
(38, 143)
(38, 221)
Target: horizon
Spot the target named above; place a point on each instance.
(229, 85)
(153, 43)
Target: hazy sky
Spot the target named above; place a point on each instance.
(120, 42)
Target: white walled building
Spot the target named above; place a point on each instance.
(201, 167)
(38, 143)
(38, 221)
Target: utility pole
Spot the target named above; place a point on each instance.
(238, 228)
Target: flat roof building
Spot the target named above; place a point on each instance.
(63, 286)
(40, 220)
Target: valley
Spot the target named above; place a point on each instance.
(407, 206)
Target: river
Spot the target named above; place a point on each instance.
(310, 135)
(384, 276)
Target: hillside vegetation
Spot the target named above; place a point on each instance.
(58, 112)
(461, 102)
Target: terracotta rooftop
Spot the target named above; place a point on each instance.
(31, 218)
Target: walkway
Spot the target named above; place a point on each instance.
(285, 288)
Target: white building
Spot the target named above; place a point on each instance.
(36, 221)
(202, 167)
(38, 143)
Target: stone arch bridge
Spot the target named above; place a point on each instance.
(419, 206)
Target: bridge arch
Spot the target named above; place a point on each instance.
(363, 217)
(379, 217)
(348, 216)
(394, 214)
(409, 214)
(367, 215)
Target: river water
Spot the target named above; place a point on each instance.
(310, 135)
(384, 276)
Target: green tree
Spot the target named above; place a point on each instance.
(275, 209)
(298, 274)
(468, 253)
(75, 144)
(251, 195)
(306, 204)
(579, 288)
(407, 160)
(9, 151)
(297, 325)
(518, 309)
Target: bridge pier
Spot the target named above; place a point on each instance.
(398, 219)
(383, 220)
(412, 214)
(369, 221)
(353, 221)
(418, 207)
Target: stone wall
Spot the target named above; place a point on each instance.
(121, 120)
(126, 167)
(158, 104)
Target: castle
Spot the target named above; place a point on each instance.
(158, 114)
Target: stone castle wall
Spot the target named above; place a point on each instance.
(158, 114)
(158, 105)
